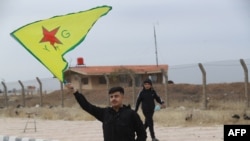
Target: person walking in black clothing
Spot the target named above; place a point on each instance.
(119, 122)
(147, 97)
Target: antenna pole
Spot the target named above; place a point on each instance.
(156, 53)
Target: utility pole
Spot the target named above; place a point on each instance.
(156, 53)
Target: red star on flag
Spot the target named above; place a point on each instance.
(49, 36)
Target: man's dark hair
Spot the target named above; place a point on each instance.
(116, 89)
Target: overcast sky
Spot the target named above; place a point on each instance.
(187, 31)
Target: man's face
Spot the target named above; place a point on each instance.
(147, 86)
(116, 99)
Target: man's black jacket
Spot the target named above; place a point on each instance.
(123, 125)
(147, 97)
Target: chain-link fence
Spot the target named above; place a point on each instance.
(219, 72)
(31, 86)
(227, 71)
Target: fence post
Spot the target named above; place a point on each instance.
(204, 85)
(41, 91)
(243, 64)
(133, 87)
(62, 95)
(165, 87)
(5, 94)
(23, 93)
(108, 85)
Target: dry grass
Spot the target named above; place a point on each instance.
(185, 99)
(57, 113)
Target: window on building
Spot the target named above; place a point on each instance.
(123, 78)
(153, 78)
(102, 80)
(85, 81)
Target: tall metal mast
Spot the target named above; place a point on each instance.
(156, 53)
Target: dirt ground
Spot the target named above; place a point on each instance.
(91, 131)
(179, 96)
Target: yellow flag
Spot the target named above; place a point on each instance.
(48, 40)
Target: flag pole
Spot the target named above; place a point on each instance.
(156, 53)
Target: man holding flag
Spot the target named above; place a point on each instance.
(119, 122)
